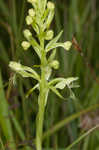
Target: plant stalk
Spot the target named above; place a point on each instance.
(41, 100)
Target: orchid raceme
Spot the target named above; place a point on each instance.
(39, 17)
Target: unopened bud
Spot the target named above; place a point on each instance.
(27, 34)
(50, 5)
(67, 45)
(29, 20)
(54, 64)
(25, 45)
(49, 35)
(31, 12)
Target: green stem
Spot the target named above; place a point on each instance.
(41, 101)
(40, 118)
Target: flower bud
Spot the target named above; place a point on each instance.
(31, 12)
(25, 45)
(27, 34)
(29, 20)
(15, 66)
(50, 5)
(54, 64)
(49, 35)
(67, 45)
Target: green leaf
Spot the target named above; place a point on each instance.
(3, 53)
(32, 41)
(18, 128)
(53, 42)
(35, 27)
(45, 15)
(48, 20)
(36, 46)
(5, 122)
(46, 96)
(82, 137)
(48, 71)
(4, 9)
(67, 120)
(2, 144)
(43, 5)
(52, 56)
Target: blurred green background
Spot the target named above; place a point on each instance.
(18, 113)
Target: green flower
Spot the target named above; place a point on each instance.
(31, 12)
(67, 45)
(50, 5)
(27, 34)
(54, 64)
(25, 45)
(15, 66)
(49, 35)
(29, 20)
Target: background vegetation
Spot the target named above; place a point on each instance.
(64, 121)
